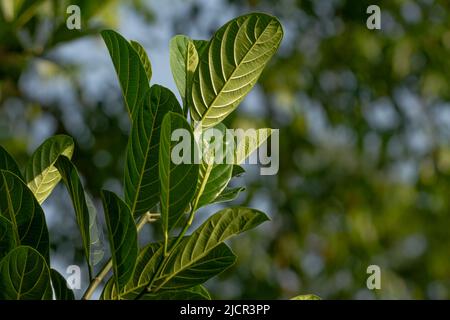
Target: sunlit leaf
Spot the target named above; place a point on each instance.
(231, 64)
(8, 163)
(41, 175)
(144, 58)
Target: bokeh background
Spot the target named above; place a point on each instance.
(364, 119)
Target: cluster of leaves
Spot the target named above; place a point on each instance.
(212, 77)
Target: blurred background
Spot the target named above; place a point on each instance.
(364, 119)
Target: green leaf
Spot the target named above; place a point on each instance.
(59, 283)
(141, 170)
(122, 235)
(306, 297)
(7, 240)
(8, 163)
(131, 72)
(188, 264)
(214, 173)
(178, 181)
(73, 184)
(18, 205)
(231, 64)
(41, 175)
(144, 58)
(237, 171)
(196, 267)
(229, 194)
(183, 62)
(95, 233)
(200, 45)
(247, 144)
(24, 275)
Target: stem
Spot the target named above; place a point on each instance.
(146, 218)
(163, 262)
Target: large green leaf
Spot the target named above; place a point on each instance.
(73, 184)
(59, 283)
(131, 72)
(141, 170)
(183, 62)
(122, 235)
(24, 275)
(18, 205)
(189, 263)
(144, 58)
(231, 64)
(41, 175)
(7, 240)
(214, 173)
(178, 181)
(195, 268)
(8, 163)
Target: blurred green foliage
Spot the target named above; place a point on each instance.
(364, 119)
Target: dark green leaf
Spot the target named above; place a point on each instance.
(178, 181)
(7, 240)
(41, 175)
(18, 205)
(144, 58)
(24, 275)
(59, 283)
(141, 171)
(205, 244)
(129, 68)
(8, 163)
(183, 62)
(122, 237)
(72, 181)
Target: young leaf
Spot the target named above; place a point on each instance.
(131, 72)
(178, 181)
(8, 163)
(122, 237)
(141, 170)
(41, 175)
(7, 240)
(184, 267)
(183, 62)
(229, 194)
(144, 58)
(24, 275)
(73, 184)
(18, 205)
(231, 64)
(62, 292)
